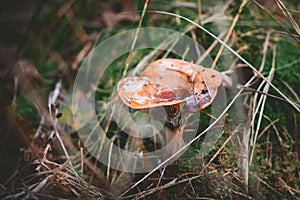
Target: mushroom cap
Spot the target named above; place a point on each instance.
(167, 82)
(213, 80)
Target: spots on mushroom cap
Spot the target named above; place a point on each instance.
(167, 82)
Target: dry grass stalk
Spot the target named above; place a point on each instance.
(171, 183)
(266, 184)
(135, 37)
(222, 147)
(235, 20)
(260, 105)
(268, 7)
(247, 131)
(288, 15)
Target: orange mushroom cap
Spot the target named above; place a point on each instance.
(167, 82)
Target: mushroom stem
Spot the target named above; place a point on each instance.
(174, 142)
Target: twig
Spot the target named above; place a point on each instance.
(235, 20)
(240, 194)
(250, 89)
(81, 160)
(264, 52)
(135, 37)
(263, 101)
(272, 123)
(199, 6)
(265, 183)
(280, 24)
(245, 156)
(175, 181)
(291, 90)
(161, 175)
(41, 184)
(210, 48)
(109, 156)
(81, 55)
(291, 190)
(288, 15)
(221, 148)
(52, 100)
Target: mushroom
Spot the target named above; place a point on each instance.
(176, 85)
